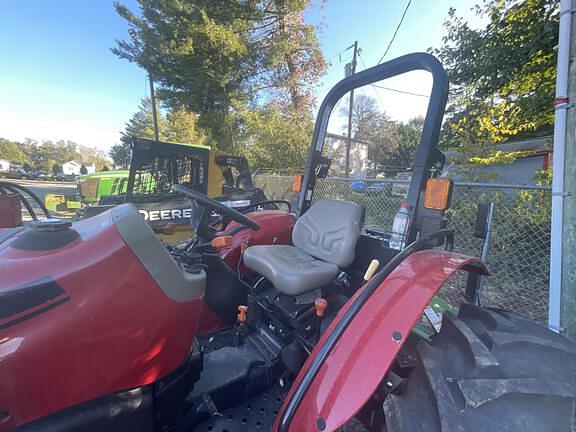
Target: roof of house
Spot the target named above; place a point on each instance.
(535, 145)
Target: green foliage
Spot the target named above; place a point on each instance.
(276, 138)
(141, 124)
(178, 125)
(181, 127)
(121, 154)
(56, 168)
(209, 57)
(83, 169)
(11, 152)
(43, 156)
(502, 76)
(498, 157)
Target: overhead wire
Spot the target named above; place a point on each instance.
(395, 32)
(390, 88)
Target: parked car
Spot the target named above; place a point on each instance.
(64, 177)
(15, 172)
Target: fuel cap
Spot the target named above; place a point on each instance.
(51, 225)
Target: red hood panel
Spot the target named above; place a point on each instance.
(99, 324)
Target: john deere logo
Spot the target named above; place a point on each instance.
(167, 214)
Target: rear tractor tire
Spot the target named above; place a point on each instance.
(487, 370)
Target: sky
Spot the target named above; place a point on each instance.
(59, 80)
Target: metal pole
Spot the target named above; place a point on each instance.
(153, 100)
(568, 267)
(486, 246)
(350, 108)
(561, 103)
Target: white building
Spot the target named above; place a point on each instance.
(4, 165)
(73, 168)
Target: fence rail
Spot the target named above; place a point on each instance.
(519, 258)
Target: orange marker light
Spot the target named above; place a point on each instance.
(242, 311)
(437, 195)
(297, 182)
(221, 242)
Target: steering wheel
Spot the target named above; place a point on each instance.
(212, 204)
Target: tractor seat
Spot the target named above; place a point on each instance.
(324, 241)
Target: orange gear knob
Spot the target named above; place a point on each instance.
(320, 304)
(242, 311)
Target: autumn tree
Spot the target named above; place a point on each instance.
(502, 75)
(212, 58)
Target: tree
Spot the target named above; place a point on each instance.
(105, 168)
(93, 155)
(209, 57)
(275, 138)
(121, 154)
(391, 144)
(502, 76)
(141, 124)
(83, 169)
(181, 127)
(56, 168)
(11, 151)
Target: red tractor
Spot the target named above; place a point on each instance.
(269, 322)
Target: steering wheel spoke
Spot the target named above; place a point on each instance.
(209, 205)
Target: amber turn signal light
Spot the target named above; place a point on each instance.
(437, 195)
(221, 242)
(297, 182)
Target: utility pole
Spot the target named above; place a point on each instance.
(133, 35)
(567, 201)
(154, 114)
(350, 70)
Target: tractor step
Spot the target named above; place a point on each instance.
(257, 413)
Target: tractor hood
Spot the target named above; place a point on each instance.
(88, 309)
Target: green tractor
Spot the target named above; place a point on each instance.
(154, 168)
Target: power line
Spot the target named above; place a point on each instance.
(401, 91)
(375, 91)
(389, 88)
(396, 32)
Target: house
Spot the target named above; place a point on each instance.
(535, 156)
(4, 165)
(336, 145)
(73, 168)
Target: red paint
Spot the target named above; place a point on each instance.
(275, 228)
(366, 349)
(118, 330)
(10, 210)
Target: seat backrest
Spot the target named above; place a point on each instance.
(329, 231)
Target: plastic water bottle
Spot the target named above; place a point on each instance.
(399, 228)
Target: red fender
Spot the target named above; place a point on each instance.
(361, 358)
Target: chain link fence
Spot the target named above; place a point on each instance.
(519, 256)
